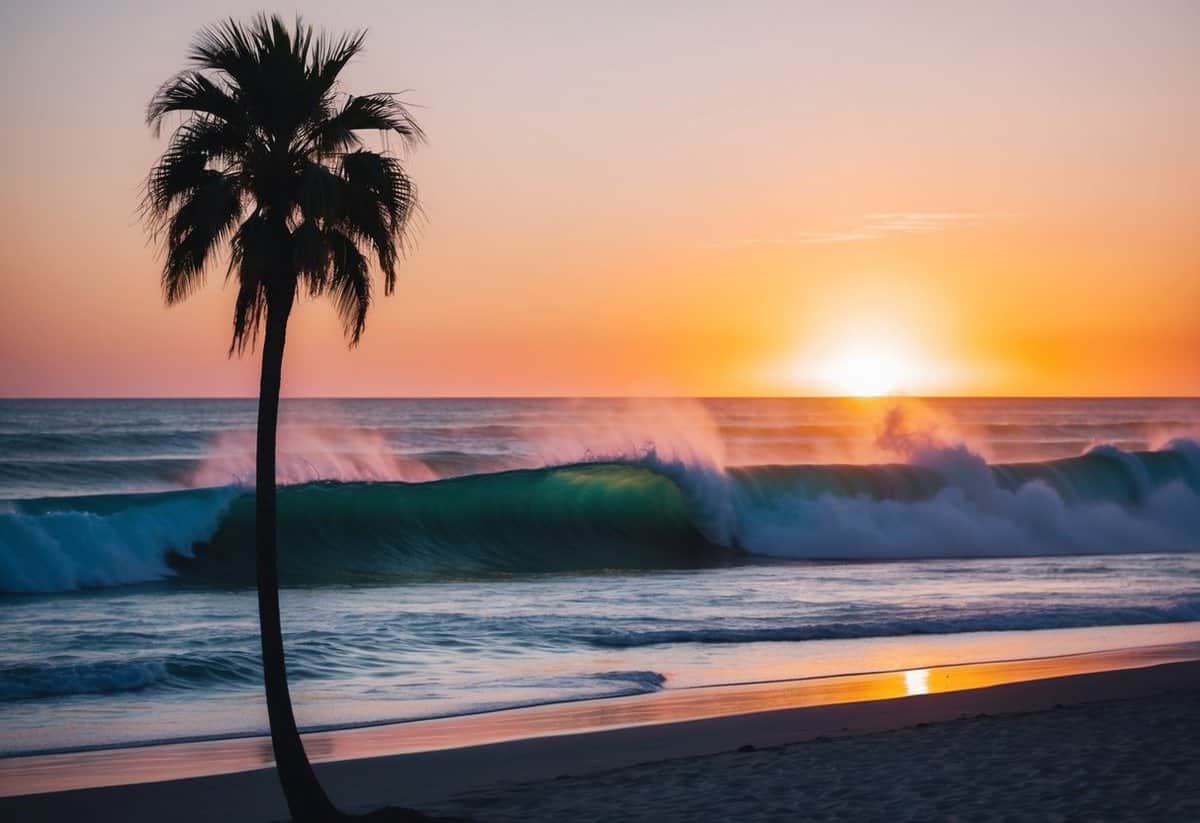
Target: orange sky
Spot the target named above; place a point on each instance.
(945, 198)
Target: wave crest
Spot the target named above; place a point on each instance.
(649, 511)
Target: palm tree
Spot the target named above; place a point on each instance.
(266, 160)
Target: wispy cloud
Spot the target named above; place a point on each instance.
(884, 224)
(874, 226)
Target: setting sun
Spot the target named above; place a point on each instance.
(867, 373)
(866, 362)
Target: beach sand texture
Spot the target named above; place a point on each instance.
(1135, 760)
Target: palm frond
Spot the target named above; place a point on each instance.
(194, 145)
(385, 200)
(249, 259)
(311, 256)
(193, 92)
(248, 313)
(323, 193)
(330, 56)
(383, 178)
(231, 48)
(349, 284)
(205, 217)
(371, 112)
(264, 126)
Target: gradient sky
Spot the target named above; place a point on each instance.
(659, 198)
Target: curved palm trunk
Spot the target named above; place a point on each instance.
(306, 799)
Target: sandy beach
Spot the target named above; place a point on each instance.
(1112, 744)
(1130, 760)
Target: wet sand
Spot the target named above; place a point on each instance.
(538, 745)
(1129, 760)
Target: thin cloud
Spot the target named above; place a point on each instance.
(886, 224)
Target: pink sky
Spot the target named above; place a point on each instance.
(674, 198)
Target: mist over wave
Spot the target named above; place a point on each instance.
(53, 448)
(1107, 500)
(647, 511)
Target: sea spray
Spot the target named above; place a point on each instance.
(306, 454)
(644, 513)
(1107, 501)
(53, 548)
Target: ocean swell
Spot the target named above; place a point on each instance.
(178, 671)
(643, 512)
(911, 622)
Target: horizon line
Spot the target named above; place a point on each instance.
(7, 398)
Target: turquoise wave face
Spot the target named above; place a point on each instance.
(644, 514)
(576, 518)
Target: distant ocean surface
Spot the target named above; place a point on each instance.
(450, 556)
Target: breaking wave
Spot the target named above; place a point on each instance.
(644, 512)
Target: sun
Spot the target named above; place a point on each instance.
(867, 365)
(866, 373)
(867, 348)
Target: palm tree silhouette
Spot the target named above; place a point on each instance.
(266, 160)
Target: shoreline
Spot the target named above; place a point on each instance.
(1172, 649)
(370, 766)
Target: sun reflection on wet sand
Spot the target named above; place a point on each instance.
(916, 681)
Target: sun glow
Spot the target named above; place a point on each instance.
(866, 373)
(871, 367)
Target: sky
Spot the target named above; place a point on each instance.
(674, 198)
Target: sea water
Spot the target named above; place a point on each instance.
(451, 556)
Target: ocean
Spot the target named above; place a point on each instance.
(445, 557)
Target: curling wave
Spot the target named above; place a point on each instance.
(643, 513)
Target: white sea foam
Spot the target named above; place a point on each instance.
(64, 550)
